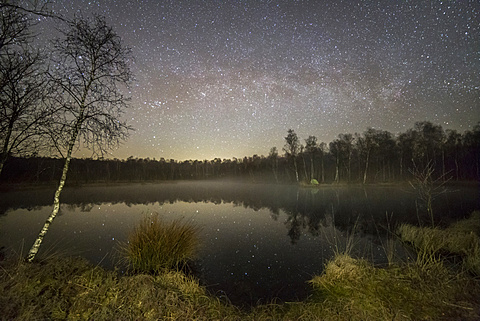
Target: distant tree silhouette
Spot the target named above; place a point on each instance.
(273, 157)
(292, 148)
(428, 141)
(452, 149)
(322, 148)
(336, 150)
(471, 145)
(311, 147)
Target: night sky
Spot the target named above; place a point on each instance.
(229, 78)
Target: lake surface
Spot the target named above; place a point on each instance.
(258, 241)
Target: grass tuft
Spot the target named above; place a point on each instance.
(356, 290)
(458, 240)
(155, 245)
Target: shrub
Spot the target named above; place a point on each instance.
(156, 245)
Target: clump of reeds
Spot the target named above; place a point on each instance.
(460, 239)
(156, 245)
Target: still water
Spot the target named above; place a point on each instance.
(258, 241)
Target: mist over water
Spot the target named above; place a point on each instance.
(258, 241)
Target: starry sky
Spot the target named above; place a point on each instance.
(229, 78)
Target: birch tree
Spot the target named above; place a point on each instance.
(311, 147)
(322, 149)
(273, 157)
(335, 150)
(90, 67)
(366, 145)
(292, 148)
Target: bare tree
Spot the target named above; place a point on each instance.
(292, 148)
(90, 65)
(14, 26)
(346, 148)
(427, 186)
(335, 150)
(273, 157)
(23, 86)
(34, 7)
(23, 112)
(368, 145)
(322, 149)
(311, 147)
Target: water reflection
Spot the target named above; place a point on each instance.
(258, 241)
(347, 202)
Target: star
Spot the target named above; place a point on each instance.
(228, 79)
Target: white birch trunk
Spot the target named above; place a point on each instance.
(296, 168)
(56, 200)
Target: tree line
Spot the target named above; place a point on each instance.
(373, 156)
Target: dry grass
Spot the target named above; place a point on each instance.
(356, 290)
(460, 240)
(156, 245)
(72, 289)
(349, 289)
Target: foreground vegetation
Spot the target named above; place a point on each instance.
(155, 245)
(70, 288)
(440, 284)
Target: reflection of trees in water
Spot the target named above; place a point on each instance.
(83, 207)
(295, 223)
(306, 209)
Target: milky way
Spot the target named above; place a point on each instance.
(229, 78)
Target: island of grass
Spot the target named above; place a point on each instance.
(441, 283)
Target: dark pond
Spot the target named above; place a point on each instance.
(258, 241)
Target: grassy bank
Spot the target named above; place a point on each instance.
(458, 243)
(72, 289)
(437, 288)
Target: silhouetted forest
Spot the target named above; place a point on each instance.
(371, 157)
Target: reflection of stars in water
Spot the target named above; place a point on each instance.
(229, 78)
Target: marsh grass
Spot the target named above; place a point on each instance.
(348, 289)
(389, 243)
(356, 290)
(156, 245)
(459, 241)
(72, 289)
(340, 242)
